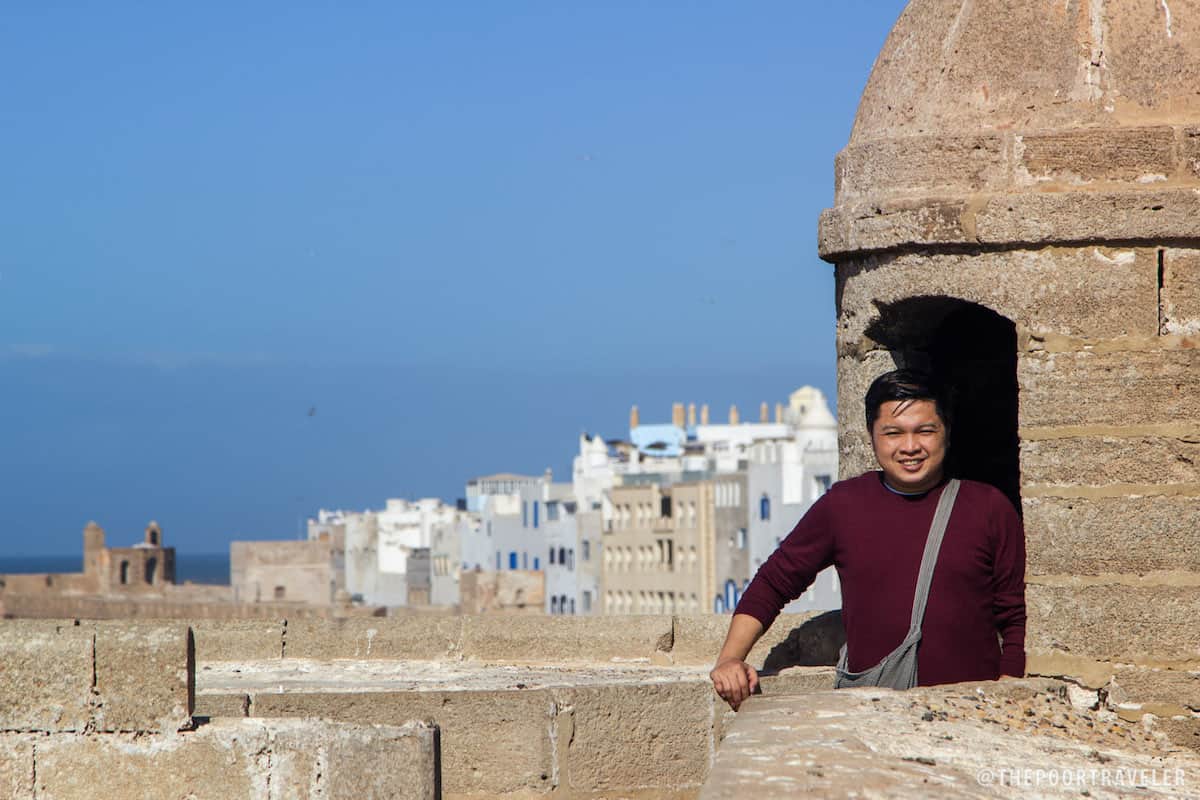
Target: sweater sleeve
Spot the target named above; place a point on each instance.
(1008, 589)
(790, 570)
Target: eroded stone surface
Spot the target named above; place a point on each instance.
(963, 740)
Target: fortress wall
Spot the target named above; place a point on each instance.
(105, 710)
(660, 639)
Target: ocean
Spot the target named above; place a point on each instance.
(211, 568)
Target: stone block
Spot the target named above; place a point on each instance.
(1090, 536)
(655, 736)
(238, 639)
(1189, 151)
(1096, 155)
(1051, 217)
(1052, 289)
(418, 637)
(1108, 388)
(923, 164)
(698, 637)
(224, 704)
(797, 680)
(1100, 460)
(145, 676)
(1148, 685)
(213, 763)
(1114, 622)
(1181, 291)
(16, 767)
(501, 639)
(45, 675)
(314, 761)
(493, 742)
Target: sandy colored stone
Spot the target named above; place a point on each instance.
(223, 704)
(424, 637)
(1109, 388)
(1144, 685)
(45, 675)
(237, 639)
(1181, 290)
(902, 165)
(144, 676)
(16, 767)
(1098, 460)
(1097, 154)
(353, 762)
(941, 741)
(640, 737)
(1072, 536)
(1114, 622)
(492, 741)
(562, 639)
(1096, 292)
(214, 763)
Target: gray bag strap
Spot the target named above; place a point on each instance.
(933, 545)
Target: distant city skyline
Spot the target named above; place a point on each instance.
(263, 262)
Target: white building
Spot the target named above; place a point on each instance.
(379, 544)
(785, 476)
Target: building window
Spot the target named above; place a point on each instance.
(553, 604)
(665, 507)
(571, 558)
(562, 555)
(741, 539)
(151, 568)
(124, 572)
(587, 550)
(535, 513)
(280, 591)
(823, 483)
(551, 555)
(551, 511)
(537, 563)
(524, 514)
(572, 605)
(764, 508)
(524, 560)
(587, 601)
(512, 560)
(497, 560)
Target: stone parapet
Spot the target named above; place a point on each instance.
(71, 677)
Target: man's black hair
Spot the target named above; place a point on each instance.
(907, 384)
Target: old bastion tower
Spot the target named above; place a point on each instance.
(1019, 206)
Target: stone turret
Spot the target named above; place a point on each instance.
(1019, 208)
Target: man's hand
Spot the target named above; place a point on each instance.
(734, 680)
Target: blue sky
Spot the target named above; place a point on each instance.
(457, 234)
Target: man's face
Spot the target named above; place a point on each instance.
(909, 439)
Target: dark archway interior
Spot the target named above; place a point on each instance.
(974, 349)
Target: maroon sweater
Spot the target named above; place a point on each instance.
(875, 538)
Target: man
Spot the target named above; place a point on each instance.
(873, 528)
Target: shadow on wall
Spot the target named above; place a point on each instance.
(974, 349)
(815, 643)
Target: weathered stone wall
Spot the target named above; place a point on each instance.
(105, 710)
(1043, 163)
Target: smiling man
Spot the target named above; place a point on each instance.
(874, 528)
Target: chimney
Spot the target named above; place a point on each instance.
(633, 418)
(704, 414)
(733, 415)
(779, 413)
(762, 412)
(677, 414)
(691, 415)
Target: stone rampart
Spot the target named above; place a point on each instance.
(105, 710)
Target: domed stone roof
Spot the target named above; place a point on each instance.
(1083, 114)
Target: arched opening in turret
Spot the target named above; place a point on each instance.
(974, 350)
